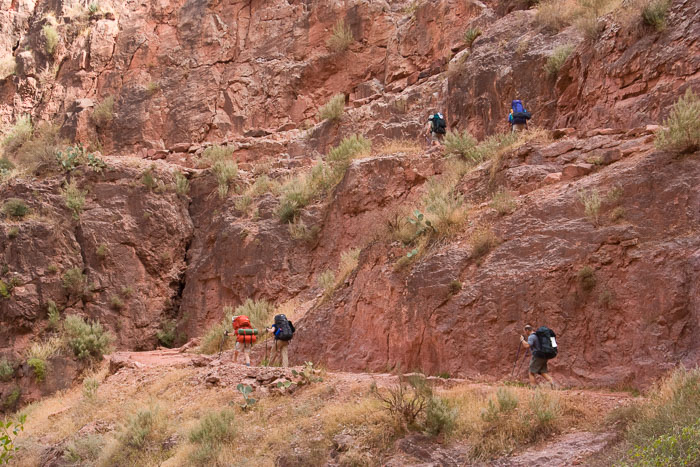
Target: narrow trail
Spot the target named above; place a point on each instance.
(569, 448)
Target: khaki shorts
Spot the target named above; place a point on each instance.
(538, 366)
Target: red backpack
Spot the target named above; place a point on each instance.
(245, 334)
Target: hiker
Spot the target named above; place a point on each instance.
(245, 337)
(437, 127)
(283, 330)
(542, 350)
(518, 116)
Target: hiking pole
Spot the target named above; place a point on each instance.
(517, 357)
(221, 344)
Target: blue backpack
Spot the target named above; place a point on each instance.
(520, 115)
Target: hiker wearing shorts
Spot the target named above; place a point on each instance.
(437, 127)
(538, 366)
(243, 342)
(518, 116)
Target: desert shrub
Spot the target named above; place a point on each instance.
(470, 36)
(341, 37)
(213, 337)
(298, 230)
(586, 277)
(13, 232)
(11, 400)
(50, 39)
(93, 8)
(74, 198)
(182, 184)
(215, 429)
(348, 263)
(15, 208)
(455, 286)
(406, 401)
(394, 146)
(555, 15)
(655, 13)
(333, 109)
(460, 144)
(54, 315)
(6, 165)
(167, 334)
(326, 280)
(148, 180)
(259, 312)
(38, 366)
(682, 132)
(42, 148)
(84, 451)
(222, 166)
(116, 303)
(443, 206)
(243, 203)
(103, 113)
(7, 66)
(617, 214)
(144, 432)
(591, 202)
(7, 371)
(440, 418)
(74, 282)
(19, 134)
(351, 147)
(102, 251)
(557, 59)
(482, 241)
(90, 386)
(503, 202)
(87, 340)
(263, 184)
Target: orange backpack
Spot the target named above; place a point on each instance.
(243, 322)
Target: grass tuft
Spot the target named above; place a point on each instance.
(682, 132)
(557, 59)
(50, 39)
(482, 241)
(333, 109)
(74, 198)
(103, 113)
(341, 38)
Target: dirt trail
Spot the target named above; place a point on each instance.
(571, 448)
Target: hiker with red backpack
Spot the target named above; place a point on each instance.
(246, 336)
(283, 330)
(518, 116)
(543, 346)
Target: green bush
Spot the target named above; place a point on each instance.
(15, 208)
(84, 451)
(461, 144)
(41, 149)
(6, 370)
(182, 184)
(351, 147)
(557, 59)
(74, 198)
(333, 109)
(470, 36)
(222, 166)
(655, 13)
(8, 434)
(74, 282)
(140, 429)
(340, 38)
(439, 417)
(10, 402)
(103, 113)
(54, 315)
(86, 340)
(116, 303)
(167, 334)
(215, 429)
(50, 39)
(19, 134)
(682, 132)
(6, 165)
(38, 365)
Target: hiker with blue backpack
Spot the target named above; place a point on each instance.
(437, 127)
(518, 116)
(283, 330)
(543, 346)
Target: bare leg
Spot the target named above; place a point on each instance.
(533, 381)
(549, 379)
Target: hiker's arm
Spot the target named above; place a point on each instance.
(524, 343)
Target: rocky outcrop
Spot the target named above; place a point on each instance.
(617, 331)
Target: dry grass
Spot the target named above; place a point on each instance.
(482, 241)
(341, 38)
(333, 109)
(682, 132)
(7, 67)
(398, 146)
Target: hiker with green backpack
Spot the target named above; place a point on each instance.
(437, 128)
(543, 346)
(283, 330)
(245, 337)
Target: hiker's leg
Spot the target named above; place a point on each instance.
(533, 381)
(246, 352)
(235, 353)
(273, 354)
(285, 356)
(548, 378)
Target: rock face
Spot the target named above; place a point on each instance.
(617, 331)
(182, 75)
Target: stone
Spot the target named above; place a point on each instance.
(551, 178)
(573, 171)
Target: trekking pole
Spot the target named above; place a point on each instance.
(221, 344)
(517, 357)
(521, 362)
